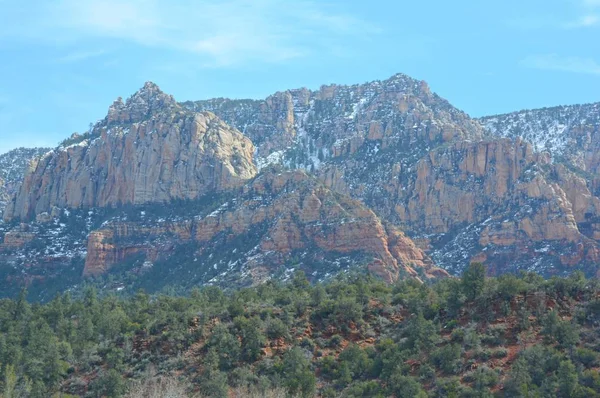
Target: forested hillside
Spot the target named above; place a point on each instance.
(354, 336)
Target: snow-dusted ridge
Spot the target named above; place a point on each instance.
(554, 129)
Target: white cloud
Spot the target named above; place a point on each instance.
(584, 11)
(564, 64)
(591, 3)
(585, 21)
(81, 56)
(226, 32)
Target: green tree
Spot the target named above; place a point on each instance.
(110, 384)
(406, 386)
(567, 379)
(226, 345)
(447, 358)
(10, 382)
(519, 381)
(299, 378)
(253, 339)
(421, 334)
(473, 280)
(214, 384)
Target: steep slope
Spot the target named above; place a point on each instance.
(13, 166)
(570, 133)
(172, 195)
(460, 192)
(421, 164)
(303, 128)
(279, 222)
(148, 149)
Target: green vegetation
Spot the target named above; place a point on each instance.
(354, 336)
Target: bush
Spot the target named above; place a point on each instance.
(335, 341)
(494, 335)
(499, 353)
(159, 388)
(406, 386)
(276, 329)
(586, 357)
(447, 358)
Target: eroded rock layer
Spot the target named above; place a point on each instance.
(146, 150)
(283, 214)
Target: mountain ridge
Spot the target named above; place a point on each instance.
(460, 192)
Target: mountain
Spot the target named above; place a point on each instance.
(570, 136)
(235, 192)
(458, 189)
(279, 222)
(569, 133)
(172, 195)
(302, 128)
(13, 166)
(146, 150)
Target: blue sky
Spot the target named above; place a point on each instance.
(63, 62)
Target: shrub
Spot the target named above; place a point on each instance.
(586, 357)
(275, 328)
(447, 358)
(159, 388)
(406, 386)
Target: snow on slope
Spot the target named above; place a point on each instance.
(553, 129)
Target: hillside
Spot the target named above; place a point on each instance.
(457, 189)
(386, 177)
(351, 337)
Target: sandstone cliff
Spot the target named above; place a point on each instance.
(302, 128)
(13, 166)
(422, 164)
(461, 193)
(278, 216)
(148, 149)
(570, 133)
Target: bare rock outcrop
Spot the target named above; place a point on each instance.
(296, 213)
(146, 150)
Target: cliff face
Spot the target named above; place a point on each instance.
(13, 166)
(303, 128)
(368, 159)
(146, 150)
(427, 167)
(283, 216)
(570, 133)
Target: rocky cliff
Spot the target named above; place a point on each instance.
(186, 193)
(279, 222)
(303, 128)
(570, 133)
(148, 149)
(427, 167)
(13, 166)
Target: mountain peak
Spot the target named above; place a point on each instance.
(149, 85)
(145, 102)
(150, 94)
(407, 83)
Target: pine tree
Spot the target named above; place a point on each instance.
(473, 280)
